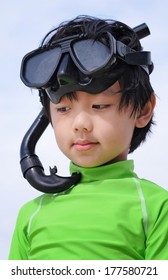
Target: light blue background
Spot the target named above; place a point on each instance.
(22, 26)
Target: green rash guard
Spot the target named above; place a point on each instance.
(110, 215)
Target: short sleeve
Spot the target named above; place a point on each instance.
(19, 245)
(157, 236)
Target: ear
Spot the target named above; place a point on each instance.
(145, 114)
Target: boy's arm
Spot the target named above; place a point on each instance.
(20, 246)
(157, 236)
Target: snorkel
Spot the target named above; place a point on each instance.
(31, 166)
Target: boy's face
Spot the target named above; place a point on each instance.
(90, 130)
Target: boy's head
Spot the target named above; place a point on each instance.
(92, 55)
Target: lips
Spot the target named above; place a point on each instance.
(84, 145)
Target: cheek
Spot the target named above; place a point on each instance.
(125, 131)
(118, 131)
(60, 132)
(56, 129)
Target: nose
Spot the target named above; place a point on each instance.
(67, 72)
(82, 122)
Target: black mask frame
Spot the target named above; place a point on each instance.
(32, 168)
(86, 59)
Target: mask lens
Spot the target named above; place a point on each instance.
(90, 55)
(37, 69)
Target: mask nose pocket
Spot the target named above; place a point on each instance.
(67, 72)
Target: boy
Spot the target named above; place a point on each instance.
(94, 85)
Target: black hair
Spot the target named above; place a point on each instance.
(136, 88)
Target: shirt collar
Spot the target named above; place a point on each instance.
(118, 170)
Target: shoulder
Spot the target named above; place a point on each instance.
(29, 208)
(154, 196)
(151, 188)
(32, 203)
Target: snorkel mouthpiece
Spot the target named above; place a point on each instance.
(31, 166)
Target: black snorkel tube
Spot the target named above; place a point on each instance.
(31, 166)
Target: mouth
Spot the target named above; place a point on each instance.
(84, 145)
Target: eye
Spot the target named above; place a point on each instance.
(101, 106)
(63, 109)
